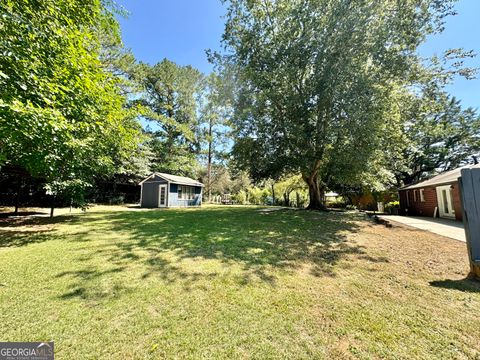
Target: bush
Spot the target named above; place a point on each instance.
(255, 196)
(337, 205)
(240, 197)
(392, 207)
(266, 198)
(117, 200)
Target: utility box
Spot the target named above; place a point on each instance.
(470, 197)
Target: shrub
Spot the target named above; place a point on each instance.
(392, 207)
(240, 197)
(116, 200)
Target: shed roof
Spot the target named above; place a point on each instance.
(446, 177)
(182, 180)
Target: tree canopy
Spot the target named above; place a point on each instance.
(316, 81)
(62, 116)
(169, 97)
(437, 135)
(329, 92)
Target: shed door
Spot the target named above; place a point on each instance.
(162, 195)
(444, 198)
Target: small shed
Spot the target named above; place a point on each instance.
(166, 190)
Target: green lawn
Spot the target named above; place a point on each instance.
(235, 282)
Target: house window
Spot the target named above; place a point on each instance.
(414, 195)
(422, 195)
(186, 192)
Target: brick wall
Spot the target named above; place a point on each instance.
(456, 202)
(418, 207)
(427, 207)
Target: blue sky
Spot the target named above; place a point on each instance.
(181, 30)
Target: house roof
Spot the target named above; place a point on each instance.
(446, 177)
(182, 180)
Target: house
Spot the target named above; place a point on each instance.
(165, 190)
(436, 197)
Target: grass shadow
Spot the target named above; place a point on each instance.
(166, 244)
(258, 241)
(465, 285)
(10, 214)
(16, 232)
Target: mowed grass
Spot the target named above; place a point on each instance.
(235, 282)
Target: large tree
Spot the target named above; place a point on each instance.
(316, 80)
(62, 116)
(437, 135)
(169, 96)
(214, 118)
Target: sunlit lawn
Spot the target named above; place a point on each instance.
(235, 282)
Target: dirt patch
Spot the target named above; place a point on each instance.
(415, 251)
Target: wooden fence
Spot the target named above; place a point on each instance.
(470, 196)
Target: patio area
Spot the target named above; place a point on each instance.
(445, 227)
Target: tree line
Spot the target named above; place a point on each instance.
(77, 109)
(306, 97)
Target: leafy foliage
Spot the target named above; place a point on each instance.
(437, 135)
(317, 81)
(169, 98)
(214, 119)
(286, 186)
(62, 116)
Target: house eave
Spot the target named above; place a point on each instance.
(421, 185)
(188, 184)
(170, 181)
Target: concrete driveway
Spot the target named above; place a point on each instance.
(448, 228)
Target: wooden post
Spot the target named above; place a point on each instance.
(470, 196)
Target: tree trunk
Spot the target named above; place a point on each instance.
(273, 194)
(286, 198)
(17, 200)
(209, 161)
(298, 199)
(52, 208)
(314, 192)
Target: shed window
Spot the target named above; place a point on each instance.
(422, 195)
(414, 195)
(186, 192)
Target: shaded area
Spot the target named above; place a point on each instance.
(257, 241)
(4, 215)
(79, 288)
(165, 244)
(21, 231)
(38, 220)
(465, 285)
